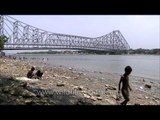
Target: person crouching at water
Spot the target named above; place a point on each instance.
(30, 73)
(125, 85)
(38, 74)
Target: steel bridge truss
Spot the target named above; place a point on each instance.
(23, 36)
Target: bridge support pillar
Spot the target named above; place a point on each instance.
(1, 25)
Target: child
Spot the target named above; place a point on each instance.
(30, 73)
(39, 74)
(125, 85)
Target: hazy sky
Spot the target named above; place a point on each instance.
(140, 31)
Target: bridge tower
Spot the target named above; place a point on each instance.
(1, 25)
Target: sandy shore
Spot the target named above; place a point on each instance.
(67, 86)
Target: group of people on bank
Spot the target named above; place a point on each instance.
(35, 75)
(124, 80)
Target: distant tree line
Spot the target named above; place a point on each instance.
(115, 52)
(145, 51)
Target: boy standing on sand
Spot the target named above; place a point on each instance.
(125, 85)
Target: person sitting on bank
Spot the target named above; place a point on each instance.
(38, 74)
(30, 73)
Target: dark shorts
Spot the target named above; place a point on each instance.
(125, 94)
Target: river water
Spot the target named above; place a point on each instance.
(147, 66)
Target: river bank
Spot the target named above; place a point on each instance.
(67, 86)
